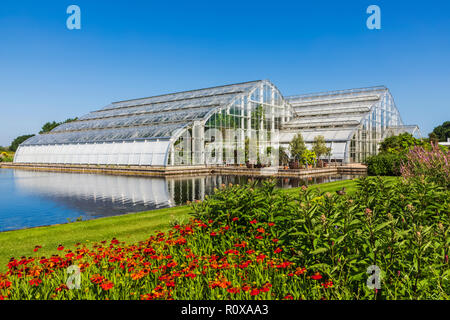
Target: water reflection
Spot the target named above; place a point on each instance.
(29, 198)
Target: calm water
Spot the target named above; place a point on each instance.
(31, 199)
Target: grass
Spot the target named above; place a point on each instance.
(131, 228)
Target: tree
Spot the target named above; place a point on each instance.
(432, 137)
(442, 132)
(297, 147)
(400, 144)
(49, 126)
(319, 147)
(19, 140)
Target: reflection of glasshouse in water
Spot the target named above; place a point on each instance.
(231, 124)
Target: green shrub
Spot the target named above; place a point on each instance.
(433, 165)
(384, 164)
(6, 157)
(402, 227)
(400, 144)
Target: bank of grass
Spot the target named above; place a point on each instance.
(131, 228)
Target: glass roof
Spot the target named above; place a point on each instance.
(153, 117)
(344, 108)
(116, 134)
(185, 95)
(135, 120)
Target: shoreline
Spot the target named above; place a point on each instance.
(188, 170)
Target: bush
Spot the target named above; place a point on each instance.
(6, 157)
(400, 226)
(433, 165)
(400, 144)
(384, 164)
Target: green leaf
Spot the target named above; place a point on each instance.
(320, 250)
(383, 225)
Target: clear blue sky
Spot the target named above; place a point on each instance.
(130, 49)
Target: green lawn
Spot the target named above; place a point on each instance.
(131, 228)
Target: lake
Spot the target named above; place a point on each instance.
(34, 198)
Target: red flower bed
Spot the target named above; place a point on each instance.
(194, 261)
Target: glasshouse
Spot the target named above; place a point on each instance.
(226, 125)
(352, 122)
(198, 127)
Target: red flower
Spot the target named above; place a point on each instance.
(13, 263)
(5, 284)
(190, 275)
(261, 257)
(36, 248)
(275, 240)
(60, 247)
(288, 297)
(261, 230)
(284, 265)
(172, 264)
(107, 285)
(245, 264)
(61, 287)
(96, 278)
(233, 290)
(327, 284)
(231, 251)
(235, 219)
(243, 244)
(278, 250)
(316, 276)
(253, 221)
(271, 224)
(300, 271)
(254, 292)
(35, 282)
(213, 234)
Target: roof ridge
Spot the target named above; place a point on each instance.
(329, 93)
(185, 91)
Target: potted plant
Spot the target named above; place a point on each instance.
(297, 148)
(320, 148)
(294, 164)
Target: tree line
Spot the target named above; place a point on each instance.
(47, 127)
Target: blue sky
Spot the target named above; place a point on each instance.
(131, 49)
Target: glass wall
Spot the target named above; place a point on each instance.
(366, 137)
(242, 132)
